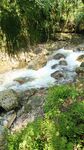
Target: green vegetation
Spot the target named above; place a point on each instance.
(62, 128)
(23, 23)
(31, 21)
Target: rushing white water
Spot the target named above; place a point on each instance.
(42, 77)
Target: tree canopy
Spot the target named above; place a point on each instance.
(32, 21)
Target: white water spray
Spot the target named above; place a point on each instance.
(42, 77)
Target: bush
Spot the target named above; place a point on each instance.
(61, 129)
(57, 95)
(11, 27)
(38, 21)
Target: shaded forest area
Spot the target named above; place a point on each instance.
(26, 22)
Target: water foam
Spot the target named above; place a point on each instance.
(42, 77)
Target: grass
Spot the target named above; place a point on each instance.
(62, 128)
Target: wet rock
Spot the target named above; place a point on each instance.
(80, 70)
(3, 141)
(23, 80)
(81, 47)
(54, 66)
(77, 50)
(57, 75)
(82, 64)
(8, 100)
(81, 58)
(63, 62)
(58, 56)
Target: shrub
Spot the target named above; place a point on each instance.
(59, 129)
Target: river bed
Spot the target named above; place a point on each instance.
(42, 77)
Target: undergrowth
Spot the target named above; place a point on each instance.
(62, 128)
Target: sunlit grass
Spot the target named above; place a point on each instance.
(60, 129)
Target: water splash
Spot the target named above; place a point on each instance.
(42, 77)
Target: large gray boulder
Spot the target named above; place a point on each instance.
(8, 99)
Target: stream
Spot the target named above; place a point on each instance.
(42, 77)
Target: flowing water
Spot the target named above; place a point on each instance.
(42, 77)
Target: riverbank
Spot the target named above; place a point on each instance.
(60, 124)
(22, 91)
(37, 56)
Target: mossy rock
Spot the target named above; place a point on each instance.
(8, 100)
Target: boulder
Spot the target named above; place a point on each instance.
(80, 70)
(54, 66)
(8, 100)
(82, 64)
(58, 56)
(57, 75)
(78, 49)
(63, 62)
(31, 109)
(81, 47)
(81, 58)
